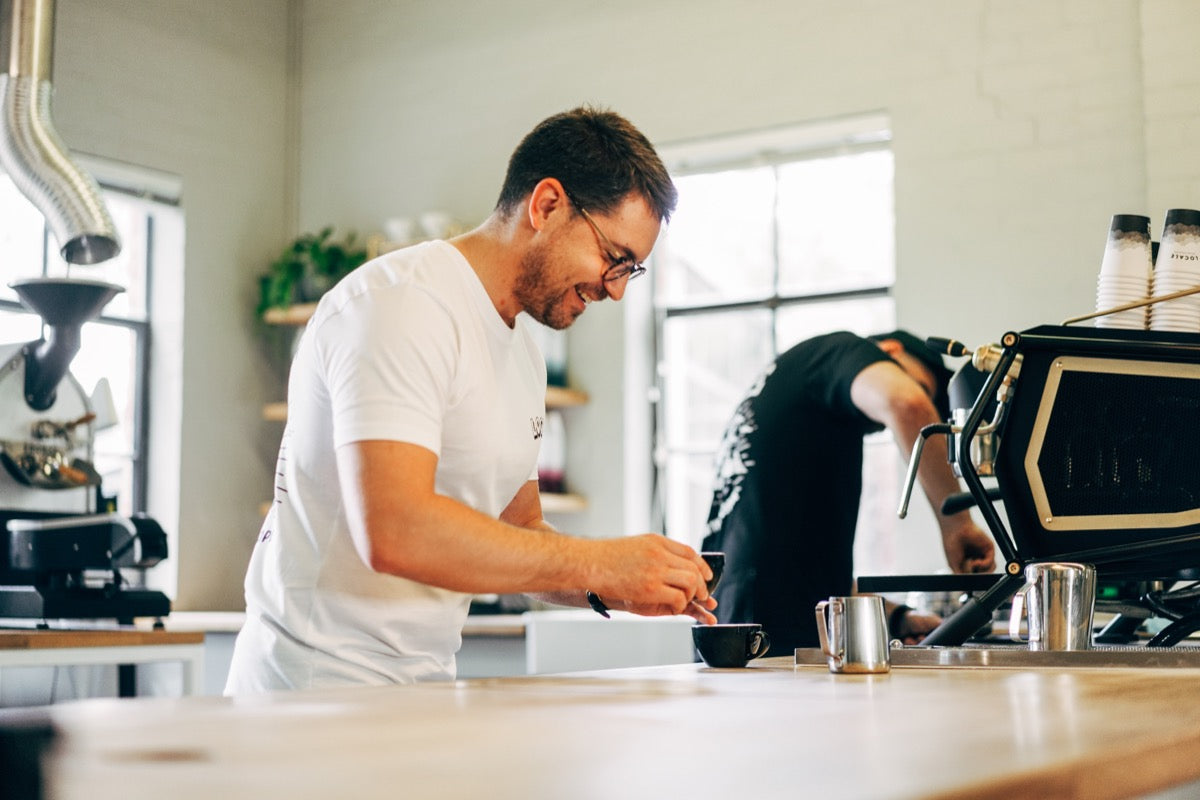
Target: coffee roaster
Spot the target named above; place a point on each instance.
(63, 553)
(1091, 436)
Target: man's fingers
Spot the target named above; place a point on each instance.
(700, 614)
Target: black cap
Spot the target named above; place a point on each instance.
(1130, 223)
(1181, 216)
(932, 359)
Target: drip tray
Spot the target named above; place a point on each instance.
(1019, 657)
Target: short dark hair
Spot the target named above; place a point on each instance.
(597, 155)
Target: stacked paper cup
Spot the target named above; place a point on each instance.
(1178, 268)
(1125, 272)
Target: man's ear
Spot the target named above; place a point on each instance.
(890, 346)
(547, 197)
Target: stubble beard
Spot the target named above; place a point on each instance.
(536, 295)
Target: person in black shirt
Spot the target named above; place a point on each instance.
(789, 477)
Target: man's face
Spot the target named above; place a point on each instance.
(563, 272)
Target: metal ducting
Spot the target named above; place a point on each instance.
(30, 150)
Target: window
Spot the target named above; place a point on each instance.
(778, 236)
(115, 347)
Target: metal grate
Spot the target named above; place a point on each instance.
(1122, 444)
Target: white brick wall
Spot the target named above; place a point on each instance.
(1171, 66)
(1020, 127)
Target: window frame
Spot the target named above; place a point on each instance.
(774, 147)
(135, 185)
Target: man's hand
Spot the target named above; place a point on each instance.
(652, 575)
(969, 549)
(914, 627)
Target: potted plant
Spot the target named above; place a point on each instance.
(307, 268)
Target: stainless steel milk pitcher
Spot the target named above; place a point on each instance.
(854, 634)
(1059, 600)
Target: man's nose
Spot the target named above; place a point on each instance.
(616, 289)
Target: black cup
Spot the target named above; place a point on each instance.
(730, 645)
(716, 562)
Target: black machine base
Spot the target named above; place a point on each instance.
(31, 602)
(988, 591)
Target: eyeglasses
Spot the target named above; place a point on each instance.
(620, 265)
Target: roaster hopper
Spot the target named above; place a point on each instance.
(63, 553)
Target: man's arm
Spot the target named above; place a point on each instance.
(401, 526)
(888, 395)
(525, 511)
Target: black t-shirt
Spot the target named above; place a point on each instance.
(789, 477)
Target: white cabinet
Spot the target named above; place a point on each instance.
(540, 642)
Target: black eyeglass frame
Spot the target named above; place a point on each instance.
(620, 265)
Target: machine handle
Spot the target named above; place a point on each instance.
(964, 500)
(950, 347)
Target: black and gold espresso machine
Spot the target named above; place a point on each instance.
(64, 554)
(1091, 437)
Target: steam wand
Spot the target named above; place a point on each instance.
(985, 359)
(910, 479)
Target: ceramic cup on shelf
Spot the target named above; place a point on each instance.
(435, 224)
(400, 230)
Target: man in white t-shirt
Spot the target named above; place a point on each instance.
(407, 476)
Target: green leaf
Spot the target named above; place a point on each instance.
(309, 265)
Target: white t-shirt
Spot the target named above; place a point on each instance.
(409, 347)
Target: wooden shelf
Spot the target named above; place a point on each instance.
(275, 412)
(556, 397)
(562, 397)
(377, 245)
(292, 315)
(562, 503)
(552, 503)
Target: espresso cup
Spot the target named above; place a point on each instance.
(1059, 600)
(854, 634)
(716, 562)
(730, 644)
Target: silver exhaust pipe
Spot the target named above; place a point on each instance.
(30, 150)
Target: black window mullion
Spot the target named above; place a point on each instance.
(142, 345)
(773, 303)
(141, 414)
(776, 230)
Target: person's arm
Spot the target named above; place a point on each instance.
(887, 394)
(401, 526)
(525, 511)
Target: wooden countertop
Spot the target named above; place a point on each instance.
(773, 730)
(38, 639)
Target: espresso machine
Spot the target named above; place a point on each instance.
(64, 553)
(1090, 436)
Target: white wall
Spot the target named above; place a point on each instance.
(197, 89)
(1020, 127)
